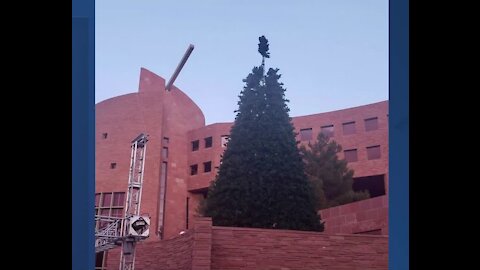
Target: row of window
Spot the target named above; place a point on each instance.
(166, 140)
(113, 165)
(348, 128)
(105, 202)
(207, 167)
(110, 204)
(305, 134)
(373, 152)
(208, 142)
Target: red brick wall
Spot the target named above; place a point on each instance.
(189, 251)
(181, 115)
(171, 254)
(244, 248)
(113, 259)
(358, 217)
(202, 244)
(225, 248)
(213, 154)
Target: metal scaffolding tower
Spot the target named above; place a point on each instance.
(132, 227)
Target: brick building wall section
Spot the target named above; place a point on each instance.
(171, 254)
(113, 259)
(160, 114)
(202, 244)
(367, 216)
(245, 248)
(207, 247)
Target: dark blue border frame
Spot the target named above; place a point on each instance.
(83, 147)
(398, 134)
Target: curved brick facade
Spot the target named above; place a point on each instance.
(159, 114)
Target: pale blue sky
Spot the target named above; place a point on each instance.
(332, 54)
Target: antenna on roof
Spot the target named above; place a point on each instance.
(179, 67)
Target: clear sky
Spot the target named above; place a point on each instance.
(332, 54)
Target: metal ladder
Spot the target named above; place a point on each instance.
(117, 230)
(134, 199)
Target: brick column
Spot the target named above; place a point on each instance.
(202, 244)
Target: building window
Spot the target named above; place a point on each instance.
(166, 140)
(163, 187)
(113, 165)
(351, 155)
(208, 142)
(186, 212)
(224, 140)
(349, 128)
(165, 153)
(305, 134)
(373, 152)
(100, 261)
(104, 135)
(327, 131)
(194, 169)
(371, 124)
(195, 145)
(374, 184)
(207, 166)
(109, 204)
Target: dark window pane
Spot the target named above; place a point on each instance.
(99, 259)
(165, 141)
(107, 199)
(373, 152)
(165, 152)
(305, 134)
(327, 131)
(374, 184)
(117, 212)
(193, 169)
(208, 142)
(371, 124)
(351, 155)
(195, 145)
(104, 135)
(349, 128)
(97, 199)
(105, 212)
(113, 165)
(207, 166)
(118, 198)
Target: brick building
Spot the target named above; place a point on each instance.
(184, 154)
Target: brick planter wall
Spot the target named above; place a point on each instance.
(208, 247)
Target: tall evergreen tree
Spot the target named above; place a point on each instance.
(261, 182)
(330, 177)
